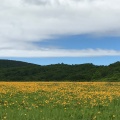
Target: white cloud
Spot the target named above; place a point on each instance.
(23, 22)
(59, 53)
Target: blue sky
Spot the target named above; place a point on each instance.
(83, 42)
(69, 60)
(77, 42)
(55, 31)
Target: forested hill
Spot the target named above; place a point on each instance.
(11, 63)
(22, 71)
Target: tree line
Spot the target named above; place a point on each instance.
(22, 71)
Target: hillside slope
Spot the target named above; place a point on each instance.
(22, 71)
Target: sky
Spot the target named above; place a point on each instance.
(60, 31)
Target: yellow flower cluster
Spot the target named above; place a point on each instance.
(94, 93)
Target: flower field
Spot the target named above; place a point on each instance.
(59, 101)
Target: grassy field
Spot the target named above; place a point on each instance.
(59, 101)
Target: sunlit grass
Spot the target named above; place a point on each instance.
(59, 101)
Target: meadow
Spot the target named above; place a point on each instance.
(59, 100)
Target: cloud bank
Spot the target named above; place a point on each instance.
(59, 53)
(23, 22)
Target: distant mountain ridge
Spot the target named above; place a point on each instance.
(13, 63)
(11, 70)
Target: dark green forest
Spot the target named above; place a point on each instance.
(21, 71)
